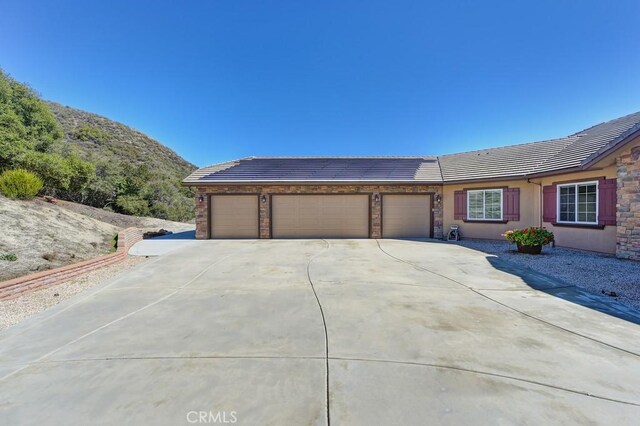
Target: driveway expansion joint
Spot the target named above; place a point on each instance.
(324, 324)
(123, 317)
(533, 317)
(487, 373)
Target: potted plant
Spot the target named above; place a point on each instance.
(529, 240)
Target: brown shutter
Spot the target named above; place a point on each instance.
(607, 199)
(460, 205)
(549, 201)
(511, 204)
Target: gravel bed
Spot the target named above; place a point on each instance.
(591, 271)
(16, 310)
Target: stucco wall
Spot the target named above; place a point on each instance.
(529, 209)
(600, 240)
(202, 214)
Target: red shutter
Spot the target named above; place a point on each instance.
(607, 200)
(549, 201)
(460, 205)
(511, 204)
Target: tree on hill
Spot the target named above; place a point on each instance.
(89, 159)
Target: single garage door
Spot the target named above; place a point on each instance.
(234, 216)
(406, 216)
(317, 216)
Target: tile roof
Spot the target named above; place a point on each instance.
(320, 169)
(495, 163)
(538, 157)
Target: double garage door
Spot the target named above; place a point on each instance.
(320, 216)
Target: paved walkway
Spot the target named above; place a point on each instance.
(354, 332)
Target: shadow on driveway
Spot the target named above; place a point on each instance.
(185, 235)
(558, 288)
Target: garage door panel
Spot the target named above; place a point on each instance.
(234, 216)
(406, 216)
(317, 216)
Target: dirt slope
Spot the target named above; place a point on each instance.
(44, 235)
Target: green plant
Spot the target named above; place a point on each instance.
(114, 243)
(89, 133)
(9, 256)
(20, 183)
(88, 159)
(133, 205)
(529, 236)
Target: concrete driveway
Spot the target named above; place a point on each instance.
(315, 332)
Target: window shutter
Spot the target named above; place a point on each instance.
(460, 205)
(549, 201)
(607, 199)
(511, 204)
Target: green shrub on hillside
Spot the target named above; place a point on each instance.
(26, 123)
(31, 139)
(20, 183)
(89, 133)
(134, 205)
(10, 257)
(89, 159)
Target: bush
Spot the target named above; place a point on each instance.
(93, 134)
(9, 257)
(20, 183)
(133, 205)
(529, 236)
(64, 176)
(52, 169)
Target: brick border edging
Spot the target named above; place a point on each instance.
(22, 285)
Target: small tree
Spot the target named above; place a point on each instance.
(20, 183)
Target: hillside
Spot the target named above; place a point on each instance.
(43, 235)
(152, 171)
(98, 137)
(89, 159)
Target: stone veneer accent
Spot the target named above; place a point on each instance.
(265, 220)
(628, 205)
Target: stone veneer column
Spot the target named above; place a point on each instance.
(376, 216)
(438, 220)
(628, 205)
(202, 210)
(265, 215)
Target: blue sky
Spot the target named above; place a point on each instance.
(218, 80)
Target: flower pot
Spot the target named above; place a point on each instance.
(529, 249)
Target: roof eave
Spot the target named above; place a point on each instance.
(623, 140)
(486, 179)
(517, 177)
(309, 182)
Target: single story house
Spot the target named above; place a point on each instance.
(584, 187)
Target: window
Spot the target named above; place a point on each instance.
(485, 204)
(578, 203)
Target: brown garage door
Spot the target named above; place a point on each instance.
(234, 216)
(406, 216)
(317, 216)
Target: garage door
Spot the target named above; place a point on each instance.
(234, 216)
(406, 216)
(317, 216)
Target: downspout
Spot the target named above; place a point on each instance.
(539, 201)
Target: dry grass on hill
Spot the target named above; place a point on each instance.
(43, 235)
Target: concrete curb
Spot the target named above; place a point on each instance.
(22, 285)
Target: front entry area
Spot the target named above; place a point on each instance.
(320, 216)
(406, 216)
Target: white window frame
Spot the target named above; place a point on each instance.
(484, 207)
(575, 185)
